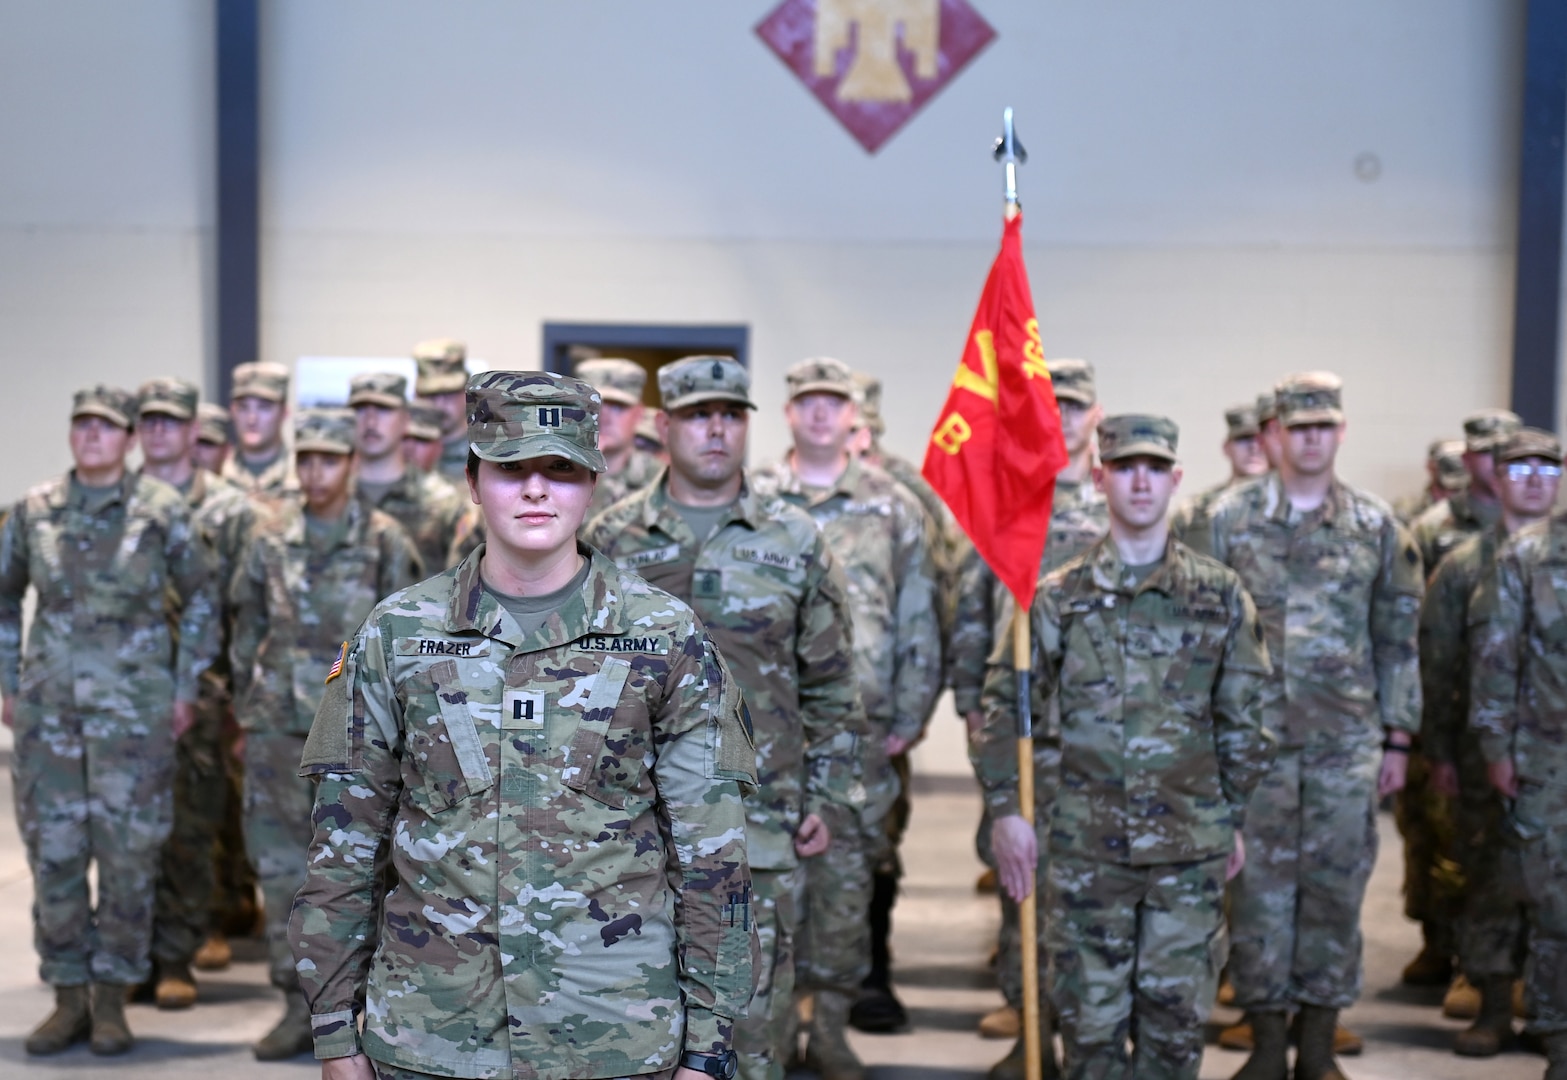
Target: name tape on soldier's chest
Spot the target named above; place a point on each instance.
(522, 710)
(423, 646)
(652, 557)
(782, 560)
(649, 643)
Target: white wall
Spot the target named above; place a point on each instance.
(1195, 224)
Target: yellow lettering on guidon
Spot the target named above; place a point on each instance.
(986, 385)
(1034, 352)
(953, 432)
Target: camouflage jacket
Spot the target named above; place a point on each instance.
(276, 479)
(99, 638)
(1162, 690)
(1189, 521)
(774, 601)
(1518, 688)
(641, 470)
(876, 531)
(453, 463)
(948, 544)
(1444, 644)
(1078, 518)
(221, 514)
(430, 510)
(1441, 528)
(1409, 507)
(1338, 592)
(294, 605)
(567, 828)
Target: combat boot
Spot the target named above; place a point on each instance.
(176, 987)
(1001, 1023)
(1014, 1065)
(1492, 1031)
(827, 1051)
(1462, 1000)
(215, 953)
(1268, 1059)
(1314, 1059)
(1556, 1054)
(110, 1033)
(292, 1035)
(1434, 964)
(70, 1023)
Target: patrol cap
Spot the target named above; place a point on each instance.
(868, 394)
(1267, 407)
(517, 415)
(168, 397)
(212, 424)
(425, 422)
(1241, 422)
(1311, 397)
(621, 381)
(109, 402)
(262, 379)
(820, 374)
(694, 379)
(1447, 455)
(328, 431)
(1485, 430)
(443, 367)
(1073, 380)
(1137, 435)
(1528, 442)
(384, 388)
(647, 429)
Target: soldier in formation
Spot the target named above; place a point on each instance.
(558, 756)
(259, 406)
(312, 569)
(97, 701)
(441, 384)
(211, 449)
(1337, 583)
(761, 577)
(422, 441)
(876, 531)
(1243, 448)
(1155, 658)
(1445, 474)
(620, 384)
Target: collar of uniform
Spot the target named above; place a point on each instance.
(404, 487)
(358, 515)
(1277, 502)
(594, 610)
(62, 496)
(845, 485)
(198, 487)
(658, 514)
(1108, 569)
(1468, 510)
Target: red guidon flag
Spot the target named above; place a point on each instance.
(997, 446)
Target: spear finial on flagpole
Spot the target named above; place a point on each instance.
(1011, 154)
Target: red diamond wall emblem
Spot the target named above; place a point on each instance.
(875, 63)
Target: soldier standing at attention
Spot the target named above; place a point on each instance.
(1160, 670)
(876, 532)
(1078, 519)
(422, 440)
(212, 437)
(1445, 474)
(166, 427)
(441, 384)
(259, 403)
(1488, 924)
(620, 384)
(557, 753)
(97, 702)
(1337, 585)
(1474, 508)
(427, 507)
(311, 571)
(760, 576)
(1517, 624)
(1243, 448)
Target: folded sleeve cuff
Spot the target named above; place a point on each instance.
(707, 1032)
(336, 1034)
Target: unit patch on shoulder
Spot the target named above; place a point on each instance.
(424, 646)
(653, 643)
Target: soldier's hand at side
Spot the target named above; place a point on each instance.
(896, 745)
(1503, 776)
(1444, 779)
(8, 713)
(812, 837)
(184, 718)
(1395, 767)
(1237, 860)
(975, 720)
(357, 1067)
(1017, 854)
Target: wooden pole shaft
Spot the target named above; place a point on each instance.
(1022, 655)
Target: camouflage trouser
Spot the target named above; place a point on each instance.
(392, 1072)
(1311, 840)
(89, 788)
(1433, 885)
(1135, 954)
(182, 914)
(1539, 839)
(759, 1038)
(833, 946)
(1009, 943)
(234, 879)
(278, 830)
(1491, 921)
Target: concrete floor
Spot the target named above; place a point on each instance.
(943, 933)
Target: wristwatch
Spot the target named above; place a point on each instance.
(723, 1066)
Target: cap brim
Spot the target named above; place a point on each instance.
(1139, 449)
(707, 395)
(1311, 416)
(619, 397)
(419, 431)
(103, 412)
(537, 446)
(165, 408)
(822, 388)
(1244, 433)
(1536, 452)
(1074, 395)
(265, 393)
(322, 446)
(373, 397)
(441, 384)
(216, 438)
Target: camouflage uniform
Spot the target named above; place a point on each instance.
(295, 602)
(1337, 590)
(443, 369)
(1518, 699)
(621, 382)
(1189, 520)
(1445, 468)
(270, 383)
(93, 766)
(593, 770)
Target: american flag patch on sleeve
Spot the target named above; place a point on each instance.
(337, 665)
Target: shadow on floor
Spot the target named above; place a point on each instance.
(945, 977)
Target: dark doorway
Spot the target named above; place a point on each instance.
(652, 346)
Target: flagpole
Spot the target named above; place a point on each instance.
(1011, 154)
